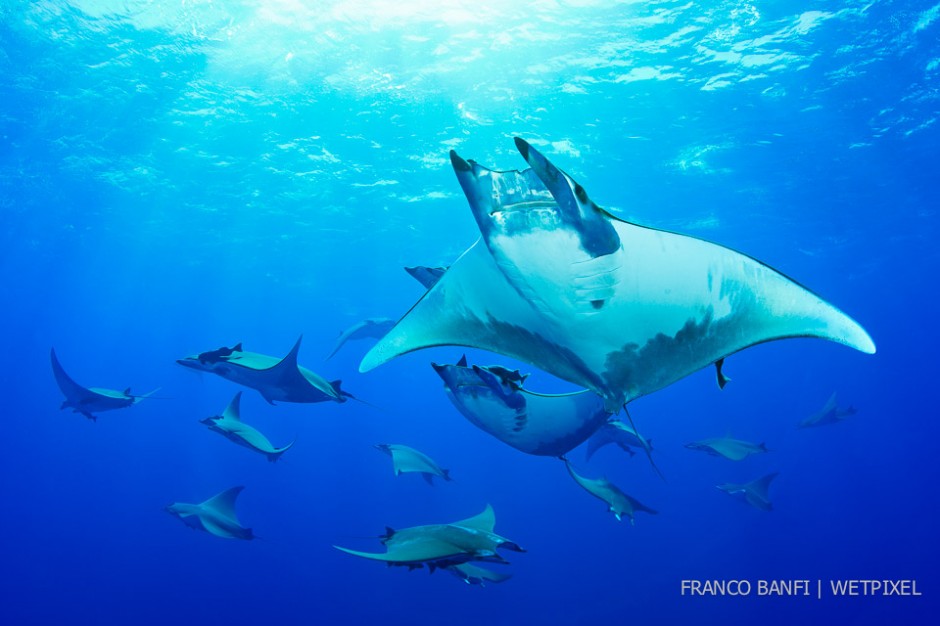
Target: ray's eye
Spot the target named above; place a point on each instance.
(580, 194)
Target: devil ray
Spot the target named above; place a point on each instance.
(618, 308)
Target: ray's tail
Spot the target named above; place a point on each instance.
(646, 447)
(149, 396)
(346, 394)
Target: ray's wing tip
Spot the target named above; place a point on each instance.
(382, 352)
(371, 361)
(860, 340)
(846, 330)
(372, 358)
(367, 364)
(841, 328)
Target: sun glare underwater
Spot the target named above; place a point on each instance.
(548, 312)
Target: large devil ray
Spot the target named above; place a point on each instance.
(618, 308)
(620, 433)
(231, 426)
(406, 460)
(754, 493)
(475, 575)
(442, 545)
(275, 379)
(830, 414)
(731, 449)
(374, 327)
(618, 503)
(215, 516)
(91, 400)
(541, 424)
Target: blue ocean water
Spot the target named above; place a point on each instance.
(179, 176)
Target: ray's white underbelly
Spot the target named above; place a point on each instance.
(651, 286)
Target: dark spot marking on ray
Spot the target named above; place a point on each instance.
(549, 355)
(652, 365)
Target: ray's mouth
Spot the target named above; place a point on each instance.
(524, 207)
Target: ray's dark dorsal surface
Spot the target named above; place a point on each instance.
(427, 276)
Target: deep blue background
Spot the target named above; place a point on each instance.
(179, 176)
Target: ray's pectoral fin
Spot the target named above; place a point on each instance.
(761, 486)
(484, 521)
(224, 503)
(287, 369)
(471, 305)
(70, 389)
(507, 294)
(233, 410)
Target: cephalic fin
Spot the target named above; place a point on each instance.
(722, 379)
